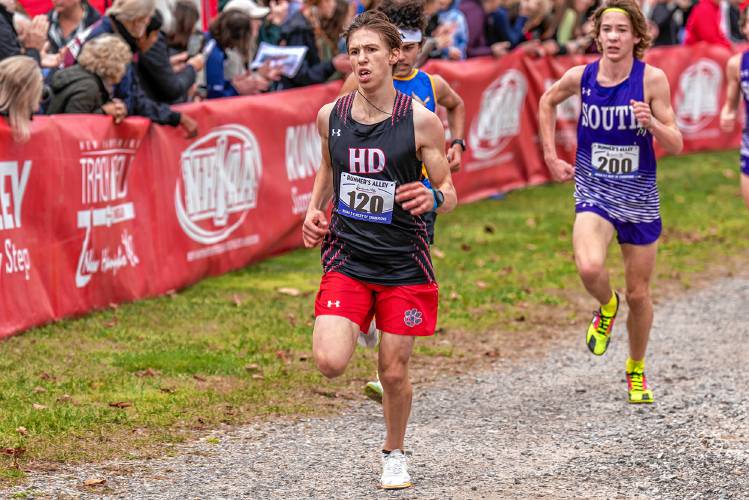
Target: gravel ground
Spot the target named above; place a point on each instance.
(557, 426)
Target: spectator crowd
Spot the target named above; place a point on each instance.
(134, 59)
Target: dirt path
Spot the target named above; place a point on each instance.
(553, 427)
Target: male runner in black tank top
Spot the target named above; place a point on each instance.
(375, 252)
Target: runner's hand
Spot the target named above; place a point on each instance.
(560, 170)
(454, 155)
(727, 120)
(315, 228)
(415, 198)
(642, 113)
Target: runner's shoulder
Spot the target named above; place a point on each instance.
(323, 117)
(654, 76)
(573, 77)
(734, 62)
(425, 119)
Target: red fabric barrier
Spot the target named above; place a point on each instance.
(93, 214)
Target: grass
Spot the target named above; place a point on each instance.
(132, 380)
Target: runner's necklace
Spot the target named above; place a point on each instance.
(375, 107)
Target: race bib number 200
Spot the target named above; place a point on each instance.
(366, 199)
(615, 162)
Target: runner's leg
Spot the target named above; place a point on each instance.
(333, 343)
(639, 264)
(395, 353)
(745, 188)
(591, 236)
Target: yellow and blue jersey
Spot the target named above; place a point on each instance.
(419, 86)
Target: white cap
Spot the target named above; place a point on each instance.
(249, 7)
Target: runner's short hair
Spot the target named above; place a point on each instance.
(378, 22)
(405, 14)
(636, 17)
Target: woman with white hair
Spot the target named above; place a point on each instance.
(21, 89)
(87, 87)
(128, 20)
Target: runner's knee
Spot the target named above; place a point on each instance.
(590, 269)
(330, 366)
(638, 296)
(394, 375)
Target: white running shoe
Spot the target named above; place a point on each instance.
(371, 338)
(395, 471)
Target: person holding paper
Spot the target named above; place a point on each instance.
(302, 29)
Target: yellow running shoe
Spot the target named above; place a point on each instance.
(637, 385)
(599, 331)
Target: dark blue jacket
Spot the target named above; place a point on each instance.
(129, 89)
(215, 81)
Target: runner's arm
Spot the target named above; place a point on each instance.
(315, 225)
(662, 122)
(728, 113)
(456, 117)
(565, 87)
(430, 143)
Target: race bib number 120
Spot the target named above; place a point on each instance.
(615, 162)
(366, 199)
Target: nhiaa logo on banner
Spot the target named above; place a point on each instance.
(218, 187)
(697, 101)
(499, 116)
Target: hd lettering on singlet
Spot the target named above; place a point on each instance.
(364, 198)
(609, 160)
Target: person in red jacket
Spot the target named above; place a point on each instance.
(703, 24)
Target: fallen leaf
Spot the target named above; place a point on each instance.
(236, 299)
(304, 357)
(111, 323)
(531, 222)
(258, 376)
(252, 367)
(489, 229)
(13, 452)
(438, 253)
(290, 291)
(168, 390)
(39, 390)
(507, 270)
(37, 406)
(454, 295)
(46, 376)
(465, 247)
(494, 353)
(121, 404)
(480, 263)
(531, 246)
(94, 482)
(148, 372)
(199, 378)
(65, 398)
(520, 318)
(283, 356)
(679, 199)
(729, 173)
(481, 284)
(22, 431)
(292, 319)
(327, 394)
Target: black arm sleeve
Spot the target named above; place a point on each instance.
(159, 79)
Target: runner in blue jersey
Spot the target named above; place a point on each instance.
(737, 85)
(625, 105)
(430, 91)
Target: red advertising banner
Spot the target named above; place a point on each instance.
(93, 214)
